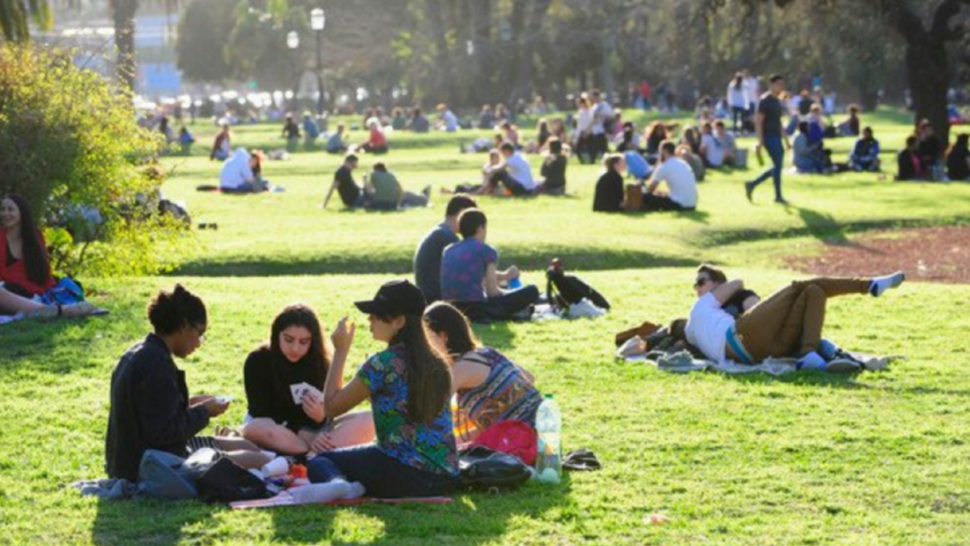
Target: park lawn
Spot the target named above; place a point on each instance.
(879, 458)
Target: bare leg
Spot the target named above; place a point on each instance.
(226, 443)
(267, 433)
(348, 430)
(248, 459)
(12, 303)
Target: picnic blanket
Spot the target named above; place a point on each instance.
(683, 362)
(285, 499)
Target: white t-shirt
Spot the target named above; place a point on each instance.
(713, 150)
(601, 113)
(680, 179)
(737, 97)
(750, 86)
(518, 168)
(584, 120)
(707, 327)
(236, 171)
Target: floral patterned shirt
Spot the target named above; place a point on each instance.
(428, 447)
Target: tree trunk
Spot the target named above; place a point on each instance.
(928, 81)
(123, 12)
(481, 35)
(926, 59)
(527, 43)
(446, 84)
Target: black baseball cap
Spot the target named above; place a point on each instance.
(395, 298)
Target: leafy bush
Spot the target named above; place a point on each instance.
(69, 144)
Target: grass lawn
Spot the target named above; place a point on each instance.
(879, 458)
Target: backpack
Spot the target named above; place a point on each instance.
(162, 475)
(482, 468)
(512, 437)
(65, 292)
(220, 480)
(563, 290)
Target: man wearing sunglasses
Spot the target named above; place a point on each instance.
(788, 323)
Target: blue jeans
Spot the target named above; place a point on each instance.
(776, 151)
(381, 475)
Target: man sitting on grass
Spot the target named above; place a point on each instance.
(865, 154)
(788, 323)
(679, 178)
(516, 175)
(427, 258)
(384, 192)
(351, 194)
(470, 277)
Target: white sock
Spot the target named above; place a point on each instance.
(881, 284)
(327, 492)
(811, 361)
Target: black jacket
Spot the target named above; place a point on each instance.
(149, 409)
(609, 193)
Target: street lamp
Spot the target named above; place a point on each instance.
(318, 20)
(293, 42)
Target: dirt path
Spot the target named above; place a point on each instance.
(927, 254)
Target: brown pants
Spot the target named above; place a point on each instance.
(789, 322)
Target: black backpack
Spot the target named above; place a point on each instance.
(563, 290)
(221, 480)
(482, 468)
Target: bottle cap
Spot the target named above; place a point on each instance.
(549, 396)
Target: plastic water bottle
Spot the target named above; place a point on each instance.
(549, 427)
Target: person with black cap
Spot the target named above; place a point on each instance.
(409, 387)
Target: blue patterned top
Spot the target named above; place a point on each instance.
(427, 447)
(463, 270)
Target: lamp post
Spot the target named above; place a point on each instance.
(293, 43)
(318, 20)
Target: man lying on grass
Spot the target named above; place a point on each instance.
(787, 323)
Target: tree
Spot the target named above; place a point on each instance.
(926, 49)
(123, 15)
(204, 30)
(926, 56)
(15, 16)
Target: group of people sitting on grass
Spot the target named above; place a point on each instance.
(381, 189)
(298, 404)
(26, 279)
(923, 157)
(612, 196)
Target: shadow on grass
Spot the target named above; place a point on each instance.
(476, 517)
(820, 226)
(806, 379)
(400, 263)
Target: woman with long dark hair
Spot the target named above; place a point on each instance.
(284, 388)
(24, 266)
(409, 387)
(490, 387)
(25, 271)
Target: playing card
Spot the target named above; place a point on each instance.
(297, 390)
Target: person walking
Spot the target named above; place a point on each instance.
(767, 124)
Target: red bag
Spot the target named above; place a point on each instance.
(512, 437)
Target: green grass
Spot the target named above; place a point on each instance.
(880, 458)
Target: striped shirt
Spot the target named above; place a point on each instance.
(505, 395)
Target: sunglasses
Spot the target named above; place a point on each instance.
(701, 281)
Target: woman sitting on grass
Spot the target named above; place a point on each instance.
(553, 170)
(409, 387)
(609, 194)
(284, 388)
(25, 271)
(489, 386)
(150, 403)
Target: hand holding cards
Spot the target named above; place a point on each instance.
(297, 390)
